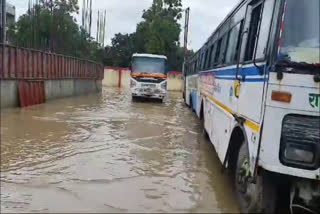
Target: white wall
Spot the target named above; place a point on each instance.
(112, 78)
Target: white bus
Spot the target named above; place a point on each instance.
(258, 94)
(149, 76)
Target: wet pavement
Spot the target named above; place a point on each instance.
(105, 153)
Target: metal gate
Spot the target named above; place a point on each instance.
(31, 93)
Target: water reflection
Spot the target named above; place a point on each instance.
(104, 153)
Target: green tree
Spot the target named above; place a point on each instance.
(160, 27)
(119, 54)
(51, 26)
(158, 33)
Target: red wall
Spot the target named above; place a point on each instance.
(27, 64)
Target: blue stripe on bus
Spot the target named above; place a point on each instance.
(230, 74)
(251, 71)
(256, 80)
(246, 80)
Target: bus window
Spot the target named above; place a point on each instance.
(253, 30)
(210, 57)
(264, 30)
(202, 61)
(216, 58)
(223, 48)
(301, 34)
(213, 55)
(205, 60)
(234, 42)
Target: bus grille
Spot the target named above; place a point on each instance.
(149, 80)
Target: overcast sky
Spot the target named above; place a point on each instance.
(123, 16)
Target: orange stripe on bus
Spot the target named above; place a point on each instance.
(249, 123)
(150, 75)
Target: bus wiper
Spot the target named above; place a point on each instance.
(297, 65)
(288, 66)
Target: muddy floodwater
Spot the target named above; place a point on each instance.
(105, 153)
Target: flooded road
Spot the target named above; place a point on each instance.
(104, 153)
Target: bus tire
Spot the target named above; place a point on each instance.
(202, 119)
(253, 198)
(204, 131)
(134, 98)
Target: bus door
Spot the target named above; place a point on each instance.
(251, 71)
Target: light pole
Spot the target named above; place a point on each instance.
(186, 31)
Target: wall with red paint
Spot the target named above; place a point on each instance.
(27, 64)
(27, 75)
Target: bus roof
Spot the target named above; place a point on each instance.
(150, 56)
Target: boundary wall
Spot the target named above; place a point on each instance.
(30, 77)
(120, 77)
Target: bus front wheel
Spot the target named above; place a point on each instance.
(258, 197)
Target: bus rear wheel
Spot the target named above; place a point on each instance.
(135, 98)
(253, 198)
(190, 102)
(203, 119)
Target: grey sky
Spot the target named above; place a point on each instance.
(123, 16)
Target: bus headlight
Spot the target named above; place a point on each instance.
(164, 85)
(299, 153)
(133, 83)
(300, 142)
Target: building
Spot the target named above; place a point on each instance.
(10, 15)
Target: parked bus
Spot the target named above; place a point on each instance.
(149, 76)
(259, 99)
(191, 81)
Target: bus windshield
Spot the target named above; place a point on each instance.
(300, 39)
(148, 65)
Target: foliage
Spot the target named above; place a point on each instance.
(158, 33)
(50, 26)
(119, 54)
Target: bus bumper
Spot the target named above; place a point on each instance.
(149, 95)
(305, 196)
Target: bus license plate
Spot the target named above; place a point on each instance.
(147, 90)
(148, 85)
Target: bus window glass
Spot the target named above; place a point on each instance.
(224, 28)
(196, 64)
(265, 28)
(216, 57)
(238, 16)
(233, 44)
(253, 29)
(223, 48)
(213, 56)
(300, 39)
(201, 61)
(148, 65)
(205, 60)
(210, 56)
